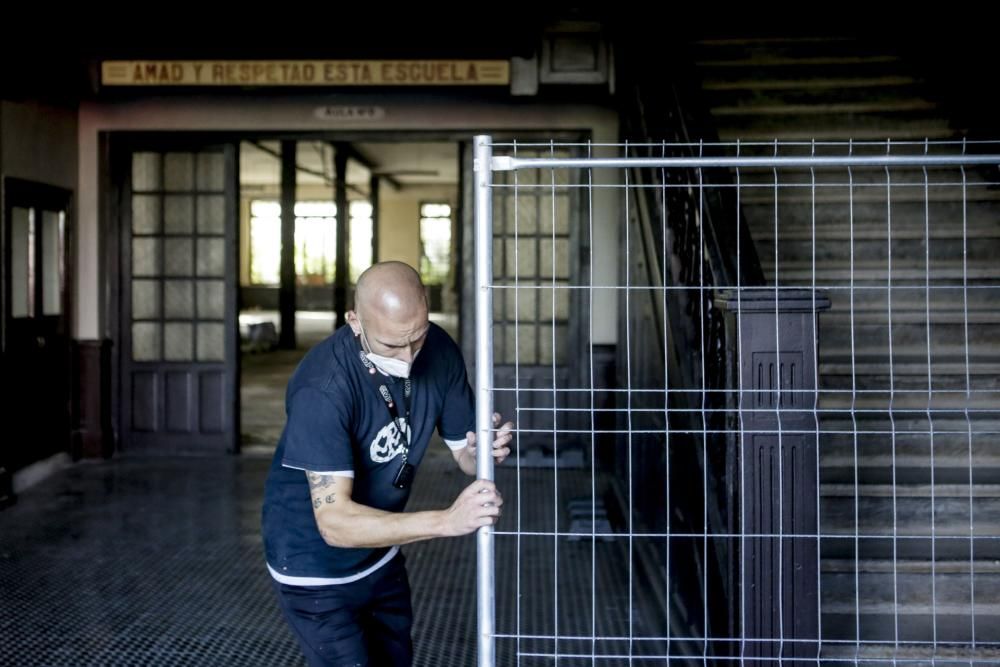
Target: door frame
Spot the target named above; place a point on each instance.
(114, 146)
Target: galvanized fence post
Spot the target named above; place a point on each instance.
(485, 595)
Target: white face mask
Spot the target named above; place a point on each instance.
(388, 365)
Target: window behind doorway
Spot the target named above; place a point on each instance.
(435, 242)
(315, 241)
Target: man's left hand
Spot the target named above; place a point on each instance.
(503, 436)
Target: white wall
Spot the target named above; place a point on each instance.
(399, 226)
(402, 113)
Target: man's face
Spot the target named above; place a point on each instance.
(395, 336)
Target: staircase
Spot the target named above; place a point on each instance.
(910, 478)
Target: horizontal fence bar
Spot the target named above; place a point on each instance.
(507, 163)
(708, 185)
(709, 288)
(887, 391)
(584, 535)
(897, 412)
(755, 431)
(966, 662)
(903, 643)
(770, 143)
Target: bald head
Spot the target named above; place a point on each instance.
(391, 289)
(391, 306)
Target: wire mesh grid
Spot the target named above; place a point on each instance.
(785, 448)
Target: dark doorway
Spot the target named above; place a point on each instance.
(36, 353)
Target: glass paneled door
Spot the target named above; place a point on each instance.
(178, 299)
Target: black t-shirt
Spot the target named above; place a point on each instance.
(338, 422)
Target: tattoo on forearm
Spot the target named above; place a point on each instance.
(317, 481)
(319, 488)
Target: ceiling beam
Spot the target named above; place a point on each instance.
(306, 170)
(354, 154)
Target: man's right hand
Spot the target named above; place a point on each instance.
(478, 505)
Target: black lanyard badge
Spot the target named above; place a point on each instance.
(404, 476)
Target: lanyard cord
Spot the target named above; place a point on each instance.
(390, 404)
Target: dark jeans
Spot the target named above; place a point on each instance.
(366, 622)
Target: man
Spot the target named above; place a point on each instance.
(361, 408)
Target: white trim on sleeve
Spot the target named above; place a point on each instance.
(335, 473)
(455, 445)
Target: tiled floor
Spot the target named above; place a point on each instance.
(140, 562)
(159, 562)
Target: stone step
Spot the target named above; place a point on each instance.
(948, 340)
(717, 86)
(886, 597)
(837, 394)
(719, 70)
(758, 48)
(804, 105)
(865, 231)
(834, 127)
(917, 586)
(833, 208)
(909, 451)
(867, 201)
(912, 313)
(869, 182)
(915, 632)
(839, 321)
(981, 302)
(918, 420)
(954, 547)
(741, 106)
(725, 66)
(879, 511)
(909, 470)
(909, 375)
(911, 254)
(811, 58)
(906, 272)
(900, 365)
(918, 653)
(915, 491)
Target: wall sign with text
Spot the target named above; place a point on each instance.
(305, 73)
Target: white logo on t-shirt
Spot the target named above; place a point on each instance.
(389, 443)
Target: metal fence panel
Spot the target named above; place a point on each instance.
(798, 469)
